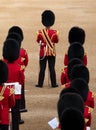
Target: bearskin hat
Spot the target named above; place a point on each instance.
(72, 119)
(16, 29)
(68, 100)
(71, 63)
(82, 86)
(3, 72)
(76, 34)
(15, 36)
(75, 50)
(48, 18)
(11, 50)
(80, 71)
(68, 90)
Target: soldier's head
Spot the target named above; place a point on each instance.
(80, 71)
(48, 18)
(70, 99)
(82, 86)
(71, 63)
(72, 119)
(16, 29)
(75, 50)
(11, 50)
(15, 36)
(76, 34)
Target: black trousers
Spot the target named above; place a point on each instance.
(4, 127)
(51, 66)
(15, 115)
(22, 101)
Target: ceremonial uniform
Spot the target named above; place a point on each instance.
(69, 100)
(64, 76)
(6, 103)
(23, 62)
(76, 34)
(7, 98)
(23, 58)
(15, 74)
(87, 115)
(66, 59)
(90, 100)
(15, 32)
(46, 54)
(47, 38)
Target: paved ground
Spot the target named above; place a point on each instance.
(41, 103)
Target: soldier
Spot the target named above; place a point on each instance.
(72, 119)
(15, 32)
(75, 56)
(76, 34)
(10, 54)
(7, 97)
(47, 38)
(69, 98)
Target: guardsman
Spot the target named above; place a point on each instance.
(15, 74)
(7, 97)
(76, 34)
(47, 38)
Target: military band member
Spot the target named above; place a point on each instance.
(15, 74)
(47, 38)
(16, 33)
(76, 34)
(75, 56)
(7, 97)
(69, 99)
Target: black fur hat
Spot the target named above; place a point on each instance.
(70, 100)
(82, 86)
(11, 50)
(72, 119)
(68, 90)
(3, 72)
(15, 36)
(16, 29)
(71, 63)
(75, 50)
(48, 18)
(76, 34)
(80, 71)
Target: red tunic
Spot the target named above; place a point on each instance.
(7, 103)
(87, 115)
(53, 34)
(90, 100)
(66, 59)
(64, 76)
(15, 74)
(23, 58)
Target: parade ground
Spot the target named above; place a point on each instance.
(42, 102)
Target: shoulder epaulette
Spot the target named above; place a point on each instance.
(22, 67)
(1, 93)
(12, 91)
(90, 109)
(86, 120)
(22, 59)
(93, 94)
